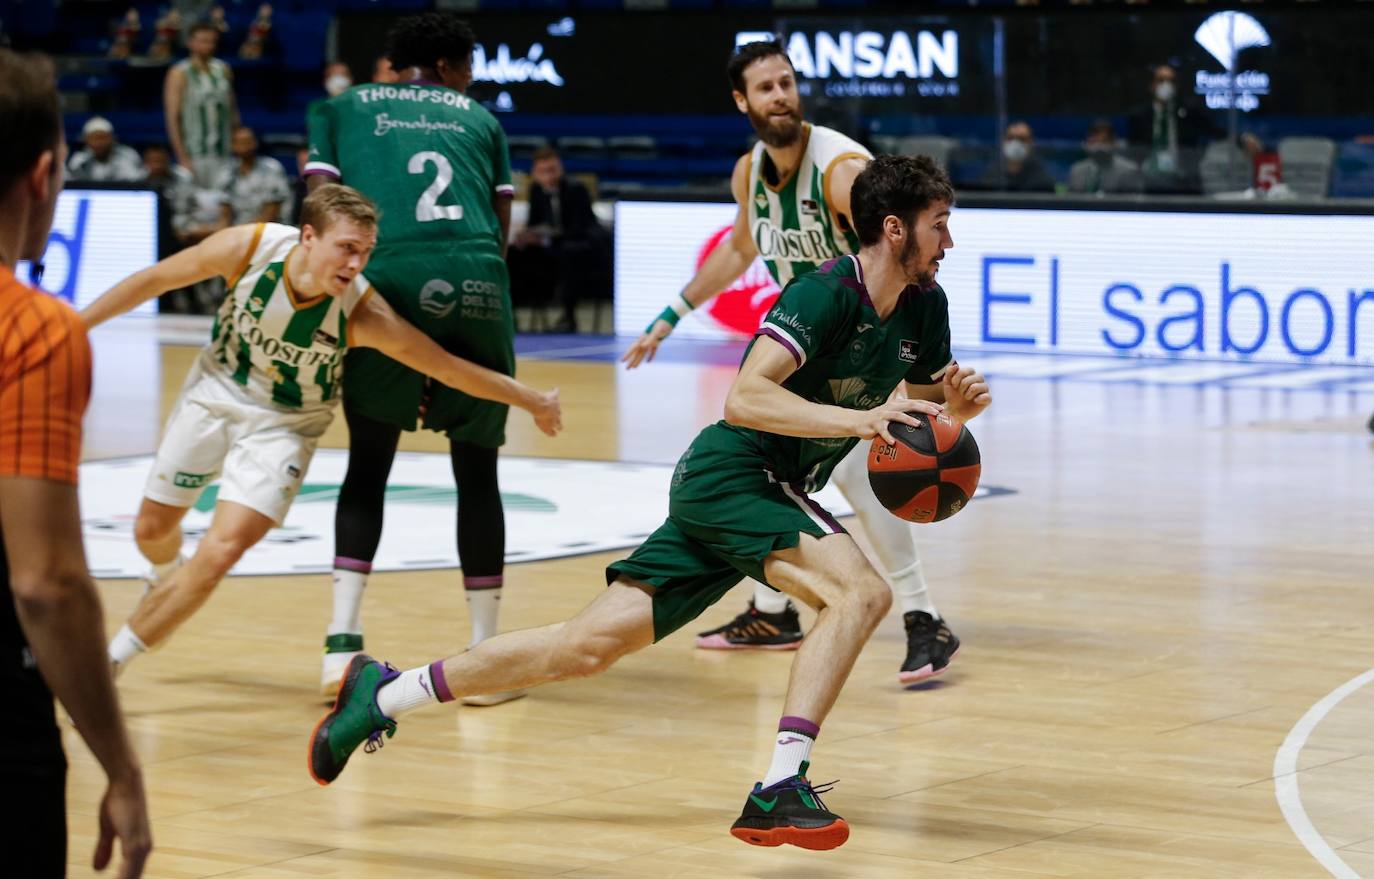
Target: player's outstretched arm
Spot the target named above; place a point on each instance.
(374, 324)
(962, 389)
(725, 264)
(223, 253)
(758, 400)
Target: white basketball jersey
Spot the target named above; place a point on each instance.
(283, 349)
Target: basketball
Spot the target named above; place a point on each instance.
(930, 473)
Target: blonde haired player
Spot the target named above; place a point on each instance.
(263, 391)
(793, 192)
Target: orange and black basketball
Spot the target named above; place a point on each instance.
(930, 473)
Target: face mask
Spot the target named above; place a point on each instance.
(337, 84)
(1165, 91)
(1015, 150)
(1098, 152)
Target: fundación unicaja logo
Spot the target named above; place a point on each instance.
(1224, 35)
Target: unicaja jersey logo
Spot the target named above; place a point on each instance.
(1224, 35)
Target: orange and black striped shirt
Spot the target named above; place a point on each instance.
(45, 383)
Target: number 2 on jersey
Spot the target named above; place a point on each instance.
(428, 209)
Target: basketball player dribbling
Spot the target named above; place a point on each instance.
(794, 211)
(818, 377)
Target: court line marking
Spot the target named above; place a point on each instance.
(1286, 779)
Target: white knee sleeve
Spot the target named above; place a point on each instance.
(891, 537)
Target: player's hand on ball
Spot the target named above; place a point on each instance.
(548, 412)
(873, 422)
(966, 391)
(646, 346)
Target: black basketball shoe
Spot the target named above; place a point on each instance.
(756, 630)
(790, 812)
(930, 645)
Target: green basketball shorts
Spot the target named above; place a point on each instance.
(726, 515)
(463, 303)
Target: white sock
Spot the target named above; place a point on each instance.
(792, 746)
(124, 647)
(348, 602)
(160, 572)
(484, 606)
(767, 600)
(413, 689)
(909, 585)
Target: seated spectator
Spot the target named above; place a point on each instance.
(103, 160)
(175, 187)
(1104, 170)
(126, 32)
(562, 224)
(167, 36)
(258, 32)
(173, 184)
(1020, 169)
(255, 189)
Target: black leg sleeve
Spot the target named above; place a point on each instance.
(481, 518)
(358, 517)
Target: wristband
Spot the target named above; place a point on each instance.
(674, 312)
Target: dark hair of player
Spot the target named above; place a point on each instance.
(421, 40)
(900, 186)
(29, 114)
(748, 54)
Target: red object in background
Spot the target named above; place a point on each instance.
(741, 306)
(1267, 171)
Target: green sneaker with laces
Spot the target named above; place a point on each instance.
(354, 720)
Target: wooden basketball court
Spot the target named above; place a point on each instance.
(1183, 572)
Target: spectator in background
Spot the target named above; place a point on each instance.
(255, 188)
(166, 35)
(561, 220)
(258, 32)
(337, 78)
(299, 189)
(103, 160)
(1167, 134)
(1020, 169)
(175, 188)
(198, 99)
(1104, 170)
(126, 32)
(176, 191)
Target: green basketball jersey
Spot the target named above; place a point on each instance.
(205, 108)
(793, 224)
(284, 350)
(846, 356)
(431, 158)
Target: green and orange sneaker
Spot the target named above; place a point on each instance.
(790, 812)
(354, 719)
